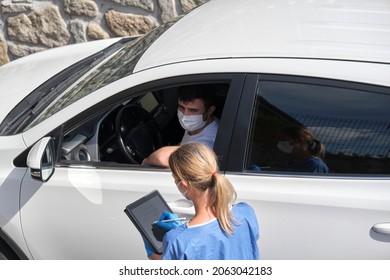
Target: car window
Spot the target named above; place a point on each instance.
(352, 124)
(129, 130)
(120, 65)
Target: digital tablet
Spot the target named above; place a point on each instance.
(143, 212)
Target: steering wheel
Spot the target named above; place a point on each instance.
(137, 133)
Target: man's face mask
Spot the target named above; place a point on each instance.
(190, 122)
(285, 147)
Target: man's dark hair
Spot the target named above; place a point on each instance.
(206, 92)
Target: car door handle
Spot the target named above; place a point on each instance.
(383, 228)
(182, 206)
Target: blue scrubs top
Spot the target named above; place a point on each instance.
(311, 164)
(209, 242)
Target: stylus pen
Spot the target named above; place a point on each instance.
(172, 220)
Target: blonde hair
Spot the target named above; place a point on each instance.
(316, 148)
(197, 165)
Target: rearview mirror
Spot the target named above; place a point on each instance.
(41, 159)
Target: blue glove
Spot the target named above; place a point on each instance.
(168, 225)
(148, 248)
(160, 228)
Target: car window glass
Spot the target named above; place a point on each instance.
(353, 126)
(115, 67)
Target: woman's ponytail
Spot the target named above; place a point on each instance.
(197, 164)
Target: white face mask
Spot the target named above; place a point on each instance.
(183, 193)
(285, 147)
(190, 122)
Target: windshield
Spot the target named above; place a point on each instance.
(79, 80)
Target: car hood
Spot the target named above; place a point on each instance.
(20, 77)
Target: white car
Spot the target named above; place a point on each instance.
(77, 121)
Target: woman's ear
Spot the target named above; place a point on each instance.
(184, 184)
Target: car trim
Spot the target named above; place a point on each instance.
(241, 127)
(13, 246)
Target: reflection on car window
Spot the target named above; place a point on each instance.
(120, 65)
(353, 126)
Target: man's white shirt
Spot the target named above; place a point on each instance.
(206, 136)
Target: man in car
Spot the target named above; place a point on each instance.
(195, 114)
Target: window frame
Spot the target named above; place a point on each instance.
(242, 129)
(221, 144)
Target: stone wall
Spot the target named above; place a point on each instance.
(29, 26)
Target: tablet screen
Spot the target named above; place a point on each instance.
(143, 212)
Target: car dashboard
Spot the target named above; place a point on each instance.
(97, 140)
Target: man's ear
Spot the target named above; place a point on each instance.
(211, 110)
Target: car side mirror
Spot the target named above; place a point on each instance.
(41, 159)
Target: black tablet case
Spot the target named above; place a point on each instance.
(143, 212)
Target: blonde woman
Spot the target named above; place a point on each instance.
(219, 229)
(308, 151)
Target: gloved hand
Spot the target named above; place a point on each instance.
(160, 228)
(148, 248)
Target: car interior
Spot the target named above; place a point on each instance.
(130, 131)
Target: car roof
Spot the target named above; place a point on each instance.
(355, 30)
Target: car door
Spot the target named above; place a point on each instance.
(344, 214)
(79, 212)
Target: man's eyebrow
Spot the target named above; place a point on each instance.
(184, 104)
